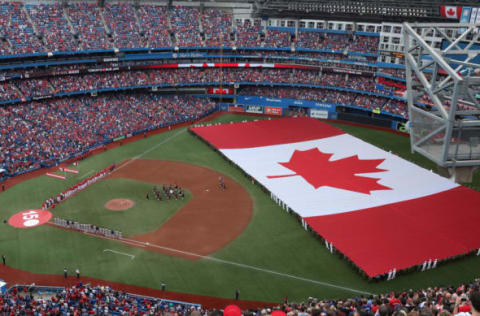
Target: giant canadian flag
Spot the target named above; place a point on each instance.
(381, 211)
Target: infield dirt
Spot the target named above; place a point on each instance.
(119, 204)
(208, 222)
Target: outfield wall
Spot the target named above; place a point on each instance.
(280, 106)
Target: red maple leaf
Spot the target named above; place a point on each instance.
(316, 168)
(450, 12)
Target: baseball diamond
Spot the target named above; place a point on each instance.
(240, 158)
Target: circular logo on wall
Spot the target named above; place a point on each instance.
(30, 218)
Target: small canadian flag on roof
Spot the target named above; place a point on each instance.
(451, 12)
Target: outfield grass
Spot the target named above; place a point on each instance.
(272, 242)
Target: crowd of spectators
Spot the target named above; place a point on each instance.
(364, 44)
(396, 107)
(17, 89)
(84, 25)
(278, 39)
(35, 87)
(4, 47)
(248, 33)
(117, 79)
(121, 21)
(53, 27)
(16, 27)
(8, 92)
(217, 27)
(85, 299)
(154, 20)
(186, 25)
(310, 54)
(297, 111)
(80, 299)
(43, 133)
(310, 40)
(331, 97)
(338, 42)
(87, 23)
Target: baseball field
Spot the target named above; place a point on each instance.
(211, 242)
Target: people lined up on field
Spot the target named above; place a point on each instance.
(88, 228)
(167, 192)
(82, 185)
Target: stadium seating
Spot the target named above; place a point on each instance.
(125, 30)
(41, 133)
(154, 20)
(186, 25)
(85, 26)
(248, 34)
(217, 27)
(50, 27)
(84, 299)
(337, 42)
(278, 39)
(18, 29)
(53, 27)
(86, 20)
(35, 87)
(8, 92)
(69, 83)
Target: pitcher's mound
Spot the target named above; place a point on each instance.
(119, 204)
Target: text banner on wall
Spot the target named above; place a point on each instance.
(283, 102)
(235, 108)
(272, 110)
(254, 109)
(320, 114)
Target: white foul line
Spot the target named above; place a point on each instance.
(246, 266)
(166, 140)
(87, 174)
(143, 244)
(109, 238)
(120, 253)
